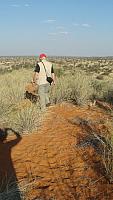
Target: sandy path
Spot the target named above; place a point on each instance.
(53, 165)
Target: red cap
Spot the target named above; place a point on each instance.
(42, 55)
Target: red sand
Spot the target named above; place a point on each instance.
(57, 169)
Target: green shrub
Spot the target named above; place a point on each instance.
(76, 88)
(58, 72)
(12, 96)
(25, 118)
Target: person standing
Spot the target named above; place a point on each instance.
(43, 70)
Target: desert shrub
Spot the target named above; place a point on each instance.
(23, 66)
(106, 142)
(100, 140)
(103, 90)
(14, 110)
(81, 88)
(108, 91)
(25, 118)
(76, 88)
(15, 67)
(58, 72)
(108, 158)
(97, 89)
(13, 85)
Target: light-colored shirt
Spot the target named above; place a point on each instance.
(42, 73)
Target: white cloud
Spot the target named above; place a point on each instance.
(63, 32)
(52, 34)
(27, 5)
(86, 25)
(15, 5)
(52, 39)
(49, 21)
(18, 5)
(83, 25)
(60, 27)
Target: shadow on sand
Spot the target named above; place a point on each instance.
(8, 181)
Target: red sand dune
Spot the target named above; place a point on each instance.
(56, 168)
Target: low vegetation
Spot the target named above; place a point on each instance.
(79, 81)
(74, 84)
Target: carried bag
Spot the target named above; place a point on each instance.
(48, 78)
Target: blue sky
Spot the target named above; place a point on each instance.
(56, 27)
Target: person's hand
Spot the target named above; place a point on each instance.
(54, 83)
(33, 82)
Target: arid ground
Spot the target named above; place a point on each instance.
(55, 163)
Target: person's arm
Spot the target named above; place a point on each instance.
(36, 74)
(35, 77)
(53, 75)
(15, 141)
